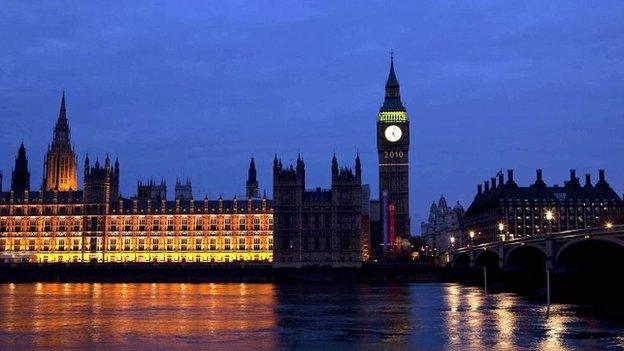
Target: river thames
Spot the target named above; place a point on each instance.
(50, 316)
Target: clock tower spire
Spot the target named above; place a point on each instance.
(393, 150)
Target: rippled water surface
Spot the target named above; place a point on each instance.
(268, 316)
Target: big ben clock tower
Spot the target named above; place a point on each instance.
(393, 149)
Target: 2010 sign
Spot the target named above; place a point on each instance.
(393, 154)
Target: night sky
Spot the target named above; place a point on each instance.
(196, 88)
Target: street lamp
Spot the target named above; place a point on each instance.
(501, 228)
(549, 217)
(609, 225)
(472, 235)
(452, 241)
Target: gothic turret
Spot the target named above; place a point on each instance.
(20, 178)
(358, 167)
(251, 186)
(301, 168)
(60, 171)
(183, 191)
(101, 184)
(334, 167)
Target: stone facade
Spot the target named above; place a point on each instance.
(319, 227)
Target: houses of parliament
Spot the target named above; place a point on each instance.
(341, 226)
(60, 223)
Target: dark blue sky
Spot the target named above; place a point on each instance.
(196, 88)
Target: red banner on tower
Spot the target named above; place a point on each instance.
(391, 210)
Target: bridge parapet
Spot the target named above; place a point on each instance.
(550, 245)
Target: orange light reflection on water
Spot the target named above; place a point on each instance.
(56, 317)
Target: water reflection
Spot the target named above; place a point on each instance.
(154, 316)
(267, 316)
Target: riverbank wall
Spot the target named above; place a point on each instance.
(215, 272)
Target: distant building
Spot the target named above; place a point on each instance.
(443, 223)
(319, 227)
(502, 210)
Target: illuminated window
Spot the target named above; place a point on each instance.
(113, 224)
(2, 244)
(256, 222)
(198, 244)
(46, 245)
(228, 223)
(213, 244)
(227, 244)
(169, 244)
(241, 243)
(141, 244)
(155, 244)
(141, 223)
(127, 223)
(170, 223)
(31, 245)
(256, 244)
(198, 223)
(184, 244)
(241, 223)
(76, 245)
(113, 244)
(270, 243)
(16, 245)
(213, 223)
(270, 223)
(184, 223)
(126, 244)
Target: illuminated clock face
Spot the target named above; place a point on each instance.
(393, 133)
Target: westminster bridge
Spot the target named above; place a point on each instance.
(598, 248)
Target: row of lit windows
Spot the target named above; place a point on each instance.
(141, 244)
(76, 225)
(142, 233)
(563, 218)
(144, 257)
(69, 209)
(572, 202)
(47, 210)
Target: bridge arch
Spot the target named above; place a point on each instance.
(487, 258)
(588, 269)
(587, 253)
(461, 260)
(576, 241)
(526, 257)
(525, 269)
